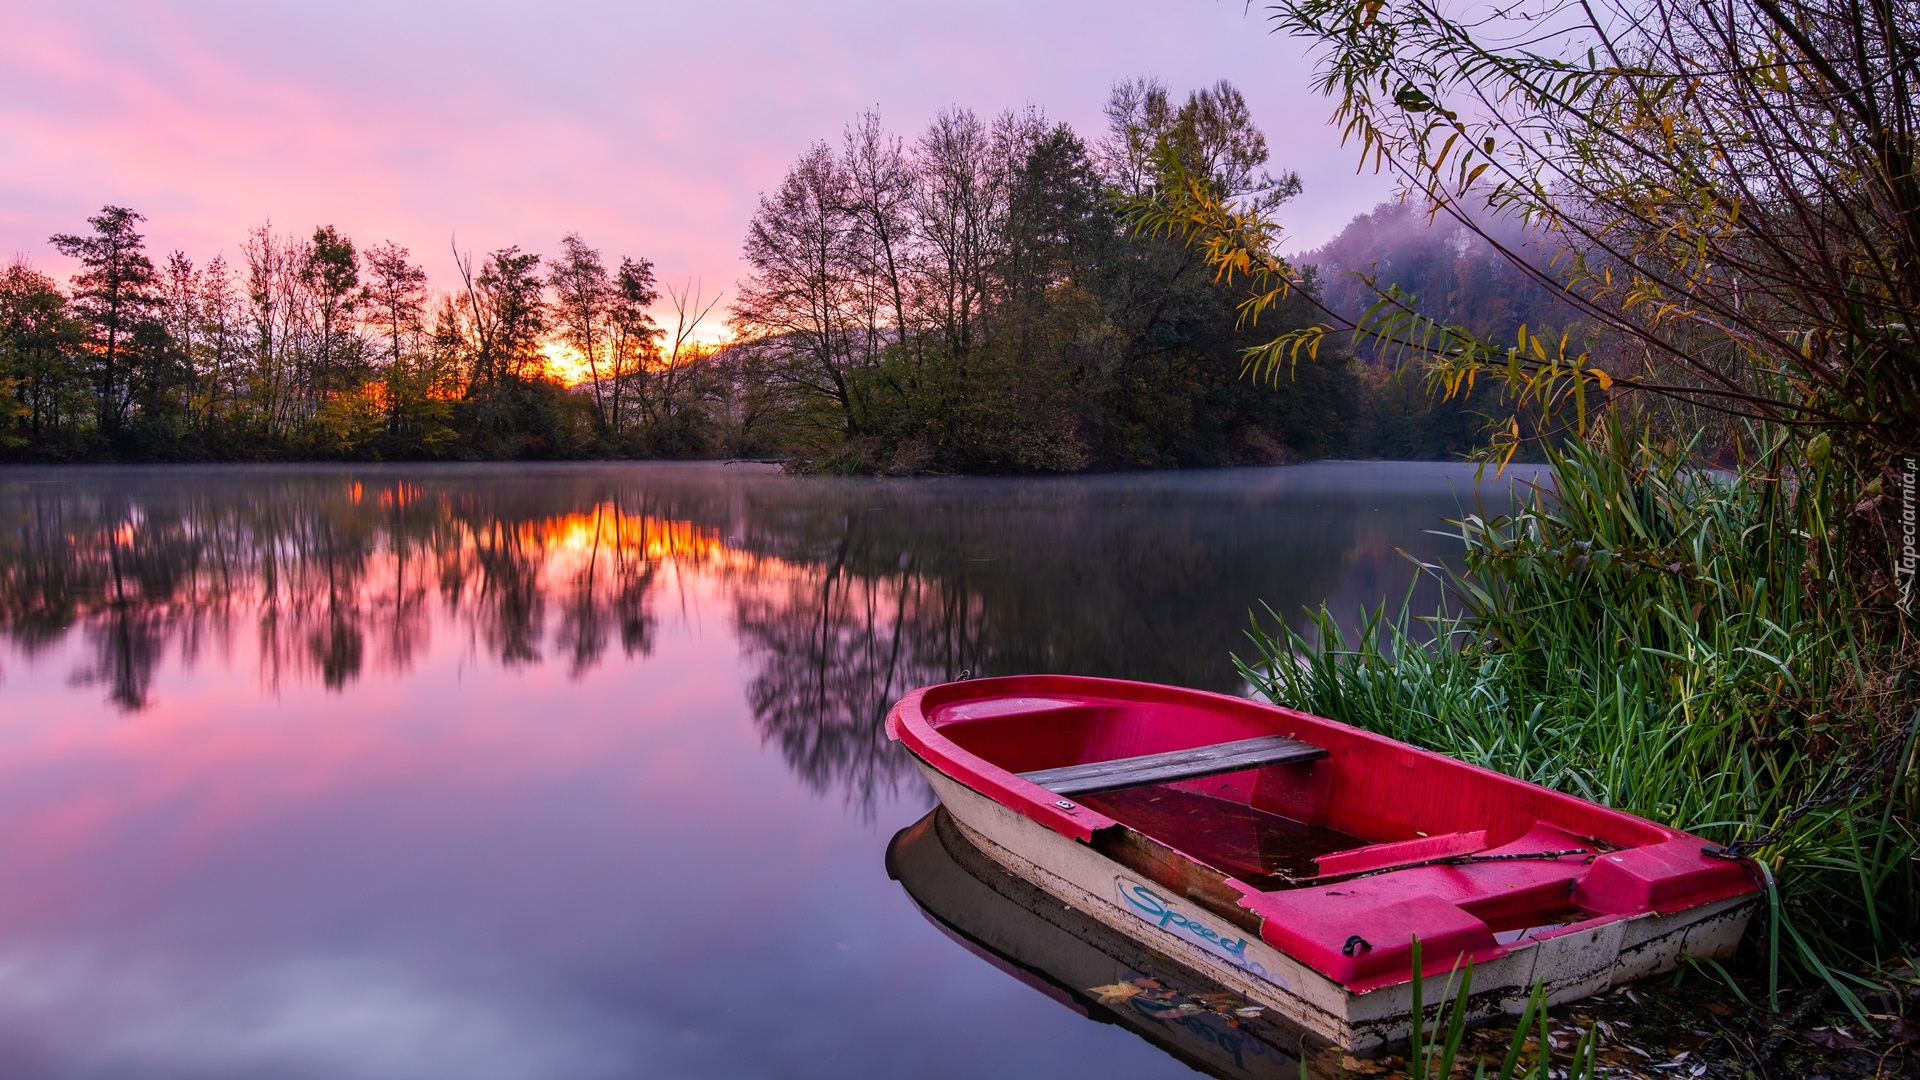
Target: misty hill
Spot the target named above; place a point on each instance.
(1457, 277)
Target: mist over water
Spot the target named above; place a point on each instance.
(575, 770)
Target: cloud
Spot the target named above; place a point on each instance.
(77, 1011)
(648, 128)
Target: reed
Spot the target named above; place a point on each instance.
(1689, 645)
(1437, 1057)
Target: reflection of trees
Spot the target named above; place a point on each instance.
(510, 600)
(834, 650)
(613, 589)
(127, 644)
(1151, 578)
(332, 573)
(846, 593)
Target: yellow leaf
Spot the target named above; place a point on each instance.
(1605, 380)
(1114, 993)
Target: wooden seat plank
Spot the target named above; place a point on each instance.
(1191, 764)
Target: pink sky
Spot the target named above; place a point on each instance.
(648, 128)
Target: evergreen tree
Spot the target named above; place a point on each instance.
(115, 292)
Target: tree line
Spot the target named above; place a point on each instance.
(975, 298)
(313, 347)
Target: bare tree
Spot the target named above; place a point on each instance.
(396, 298)
(959, 204)
(1138, 113)
(681, 355)
(803, 246)
(278, 313)
(222, 316)
(582, 294)
(880, 186)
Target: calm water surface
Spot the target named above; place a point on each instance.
(570, 771)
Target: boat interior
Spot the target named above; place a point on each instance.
(1317, 803)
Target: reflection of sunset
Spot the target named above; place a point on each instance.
(398, 497)
(335, 576)
(361, 577)
(606, 527)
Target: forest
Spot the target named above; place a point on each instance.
(974, 299)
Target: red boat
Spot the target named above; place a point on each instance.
(1295, 859)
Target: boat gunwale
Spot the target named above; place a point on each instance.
(910, 722)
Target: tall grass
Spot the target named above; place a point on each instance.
(1687, 645)
(1438, 1057)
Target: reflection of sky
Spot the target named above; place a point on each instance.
(508, 870)
(473, 871)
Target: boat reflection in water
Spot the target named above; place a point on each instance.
(1088, 966)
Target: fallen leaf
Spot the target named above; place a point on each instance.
(1834, 1039)
(1114, 993)
(1252, 1011)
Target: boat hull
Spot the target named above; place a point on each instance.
(1568, 965)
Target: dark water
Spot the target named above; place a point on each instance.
(570, 771)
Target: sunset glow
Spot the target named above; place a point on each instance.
(565, 363)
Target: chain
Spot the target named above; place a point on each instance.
(1442, 860)
(1846, 790)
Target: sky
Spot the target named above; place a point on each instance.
(649, 128)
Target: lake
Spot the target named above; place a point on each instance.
(574, 770)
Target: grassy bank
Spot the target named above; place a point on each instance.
(1701, 649)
